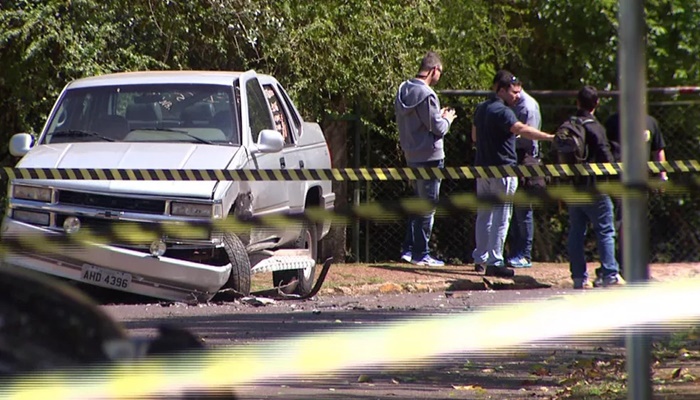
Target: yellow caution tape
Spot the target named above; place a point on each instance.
(343, 174)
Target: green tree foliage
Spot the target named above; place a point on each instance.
(575, 42)
(571, 43)
(45, 44)
(479, 38)
(673, 42)
(335, 55)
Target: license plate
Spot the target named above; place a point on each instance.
(105, 277)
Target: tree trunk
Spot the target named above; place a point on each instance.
(334, 244)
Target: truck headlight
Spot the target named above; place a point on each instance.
(193, 210)
(32, 193)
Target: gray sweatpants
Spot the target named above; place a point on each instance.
(492, 221)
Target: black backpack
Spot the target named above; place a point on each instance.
(569, 145)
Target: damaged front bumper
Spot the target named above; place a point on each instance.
(114, 267)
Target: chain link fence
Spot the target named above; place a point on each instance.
(672, 217)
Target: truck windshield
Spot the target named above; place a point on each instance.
(146, 113)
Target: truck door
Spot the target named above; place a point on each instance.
(268, 196)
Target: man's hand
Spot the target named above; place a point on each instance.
(449, 114)
(663, 178)
(520, 129)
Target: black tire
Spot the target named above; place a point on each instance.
(304, 277)
(239, 280)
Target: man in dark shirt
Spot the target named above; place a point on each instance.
(599, 212)
(653, 137)
(521, 230)
(656, 147)
(495, 129)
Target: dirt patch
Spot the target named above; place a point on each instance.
(398, 278)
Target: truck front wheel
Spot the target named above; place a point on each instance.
(304, 277)
(239, 280)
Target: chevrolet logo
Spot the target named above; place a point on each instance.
(110, 214)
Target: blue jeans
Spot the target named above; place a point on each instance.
(420, 227)
(492, 222)
(520, 233)
(600, 214)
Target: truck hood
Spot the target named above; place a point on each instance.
(98, 155)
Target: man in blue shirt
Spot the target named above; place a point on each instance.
(495, 130)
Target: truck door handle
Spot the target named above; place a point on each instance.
(283, 163)
(301, 163)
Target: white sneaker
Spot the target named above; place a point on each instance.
(406, 257)
(428, 261)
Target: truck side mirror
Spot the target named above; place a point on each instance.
(270, 141)
(20, 144)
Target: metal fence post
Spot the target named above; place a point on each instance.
(632, 77)
(356, 196)
(368, 188)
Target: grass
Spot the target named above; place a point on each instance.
(262, 281)
(674, 356)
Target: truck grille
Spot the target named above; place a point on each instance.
(115, 203)
(113, 231)
(118, 231)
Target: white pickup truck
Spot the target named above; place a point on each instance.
(179, 120)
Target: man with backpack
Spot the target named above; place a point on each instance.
(495, 130)
(593, 148)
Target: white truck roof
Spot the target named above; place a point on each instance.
(158, 77)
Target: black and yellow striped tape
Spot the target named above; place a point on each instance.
(342, 174)
(127, 232)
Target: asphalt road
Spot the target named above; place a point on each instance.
(437, 345)
(239, 322)
(461, 375)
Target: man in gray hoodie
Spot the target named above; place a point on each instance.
(422, 126)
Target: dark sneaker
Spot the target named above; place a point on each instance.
(607, 281)
(497, 270)
(479, 268)
(598, 281)
(582, 283)
(599, 273)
